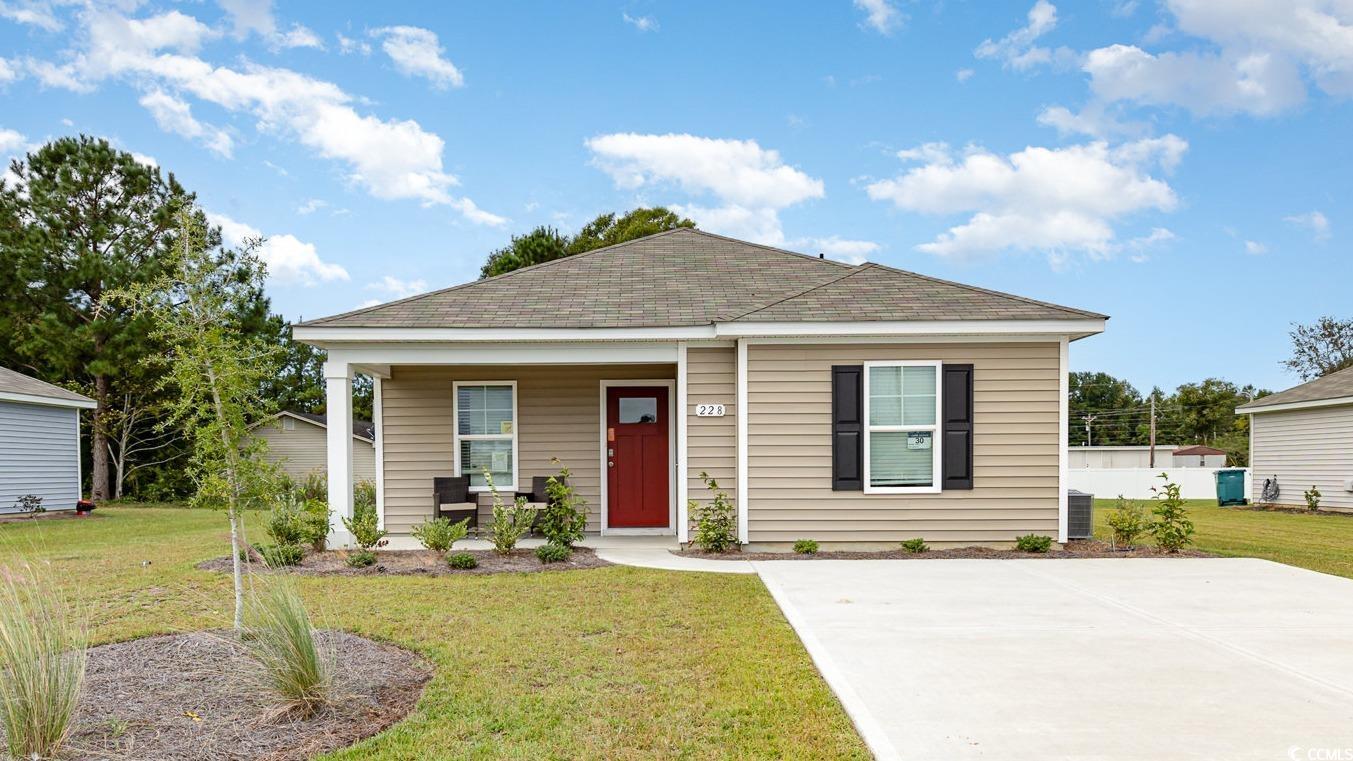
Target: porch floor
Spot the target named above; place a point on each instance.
(593, 541)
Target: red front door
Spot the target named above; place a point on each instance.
(636, 464)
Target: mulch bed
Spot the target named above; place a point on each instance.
(423, 563)
(193, 696)
(1075, 549)
(49, 515)
(1289, 509)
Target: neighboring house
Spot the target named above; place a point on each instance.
(297, 443)
(1304, 437)
(856, 405)
(1199, 456)
(1121, 456)
(39, 442)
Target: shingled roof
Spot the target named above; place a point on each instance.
(1336, 385)
(18, 383)
(689, 277)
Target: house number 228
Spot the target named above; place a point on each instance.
(709, 410)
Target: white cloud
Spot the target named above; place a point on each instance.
(836, 247)
(289, 260)
(31, 12)
(1017, 49)
(1093, 120)
(963, 75)
(311, 206)
(8, 72)
(751, 184)
(642, 23)
(347, 46)
(416, 52)
(1056, 200)
(145, 159)
(1315, 221)
(391, 159)
(175, 115)
(1255, 248)
(298, 37)
(256, 16)
(394, 288)
(1139, 248)
(880, 15)
(11, 142)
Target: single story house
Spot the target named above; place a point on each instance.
(298, 444)
(1303, 437)
(1115, 456)
(1199, 456)
(39, 442)
(858, 405)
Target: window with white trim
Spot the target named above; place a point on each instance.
(902, 413)
(486, 433)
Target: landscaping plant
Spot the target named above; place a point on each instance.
(315, 523)
(364, 494)
(1312, 496)
(360, 558)
(282, 641)
(553, 553)
(805, 546)
(716, 521)
(916, 545)
(364, 526)
(1033, 543)
(43, 647)
(284, 525)
(29, 503)
(439, 534)
(461, 561)
(510, 524)
(1128, 521)
(280, 555)
(564, 517)
(1172, 528)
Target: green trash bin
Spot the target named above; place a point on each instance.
(1231, 487)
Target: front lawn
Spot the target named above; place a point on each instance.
(1321, 542)
(613, 662)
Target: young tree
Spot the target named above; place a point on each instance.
(545, 244)
(78, 220)
(216, 368)
(1321, 348)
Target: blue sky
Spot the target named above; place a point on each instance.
(1183, 166)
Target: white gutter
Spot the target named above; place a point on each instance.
(49, 401)
(1335, 402)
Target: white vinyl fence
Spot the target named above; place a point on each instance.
(1136, 483)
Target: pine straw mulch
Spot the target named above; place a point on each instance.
(422, 563)
(196, 696)
(1079, 548)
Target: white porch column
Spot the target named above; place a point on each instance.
(338, 414)
(683, 432)
(1063, 439)
(743, 500)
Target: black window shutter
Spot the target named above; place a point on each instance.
(957, 426)
(847, 427)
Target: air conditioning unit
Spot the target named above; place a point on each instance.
(1080, 515)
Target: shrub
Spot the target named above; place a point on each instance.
(360, 558)
(280, 555)
(553, 553)
(510, 524)
(440, 533)
(363, 525)
(1312, 498)
(1172, 528)
(314, 487)
(364, 494)
(461, 560)
(29, 503)
(716, 522)
(806, 547)
(315, 523)
(916, 545)
(1033, 543)
(282, 641)
(564, 517)
(284, 525)
(1128, 521)
(43, 649)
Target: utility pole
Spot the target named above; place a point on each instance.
(1089, 440)
(1152, 457)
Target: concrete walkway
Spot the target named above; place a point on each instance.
(1080, 659)
(636, 550)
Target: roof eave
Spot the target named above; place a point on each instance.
(82, 403)
(1259, 407)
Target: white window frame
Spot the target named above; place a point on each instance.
(934, 429)
(457, 437)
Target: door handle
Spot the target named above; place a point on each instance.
(610, 464)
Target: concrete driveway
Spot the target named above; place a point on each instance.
(1081, 659)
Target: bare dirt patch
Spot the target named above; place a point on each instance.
(1087, 548)
(190, 696)
(425, 563)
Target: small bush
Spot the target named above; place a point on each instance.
(363, 525)
(553, 553)
(282, 641)
(314, 487)
(510, 524)
(29, 503)
(1172, 528)
(314, 520)
(43, 649)
(280, 555)
(360, 558)
(461, 561)
(1312, 499)
(1033, 543)
(439, 534)
(716, 522)
(284, 525)
(564, 517)
(916, 545)
(364, 494)
(806, 547)
(1128, 521)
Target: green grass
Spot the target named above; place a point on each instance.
(608, 663)
(1321, 542)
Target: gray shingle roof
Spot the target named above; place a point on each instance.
(1336, 385)
(363, 428)
(18, 383)
(688, 277)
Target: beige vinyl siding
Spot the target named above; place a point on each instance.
(711, 442)
(558, 415)
(1305, 448)
(1015, 449)
(304, 449)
